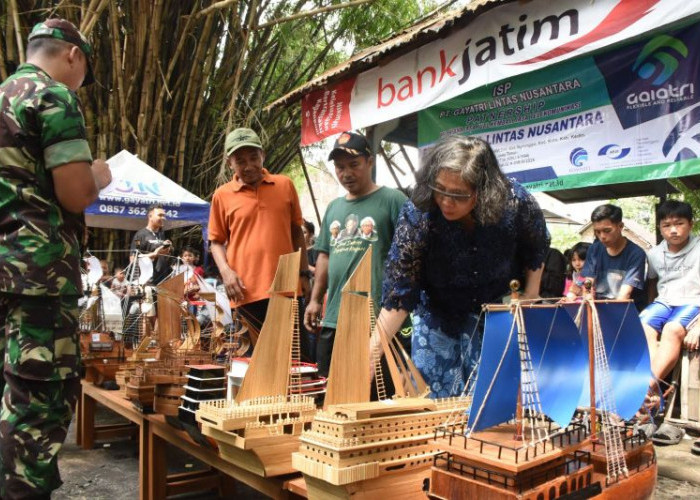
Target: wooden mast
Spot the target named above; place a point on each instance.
(588, 284)
(514, 297)
(349, 375)
(269, 370)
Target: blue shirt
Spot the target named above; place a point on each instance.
(610, 273)
(446, 272)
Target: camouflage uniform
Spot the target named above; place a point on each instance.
(41, 127)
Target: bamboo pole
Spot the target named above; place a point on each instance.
(18, 31)
(311, 188)
(391, 170)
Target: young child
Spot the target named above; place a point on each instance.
(576, 256)
(119, 284)
(674, 284)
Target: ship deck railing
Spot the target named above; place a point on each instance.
(447, 461)
(572, 434)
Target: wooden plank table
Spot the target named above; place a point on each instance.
(87, 432)
(161, 485)
(154, 433)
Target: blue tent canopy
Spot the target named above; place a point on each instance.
(135, 186)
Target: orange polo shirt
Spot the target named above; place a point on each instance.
(256, 226)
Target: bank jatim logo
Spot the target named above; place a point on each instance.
(659, 59)
(578, 157)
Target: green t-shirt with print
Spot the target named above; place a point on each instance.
(347, 230)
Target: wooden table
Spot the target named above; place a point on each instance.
(87, 432)
(160, 486)
(154, 432)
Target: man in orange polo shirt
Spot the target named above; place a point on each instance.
(254, 219)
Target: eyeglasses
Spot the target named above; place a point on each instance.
(456, 197)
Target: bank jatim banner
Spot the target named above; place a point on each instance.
(506, 41)
(628, 113)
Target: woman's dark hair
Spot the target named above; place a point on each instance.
(473, 159)
(674, 208)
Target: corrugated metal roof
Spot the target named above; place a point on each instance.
(421, 33)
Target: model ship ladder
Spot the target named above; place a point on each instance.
(616, 464)
(378, 374)
(529, 392)
(295, 351)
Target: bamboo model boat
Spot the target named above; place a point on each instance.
(158, 381)
(546, 419)
(102, 351)
(366, 449)
(260, 428)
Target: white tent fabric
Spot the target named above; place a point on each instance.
(135, 186)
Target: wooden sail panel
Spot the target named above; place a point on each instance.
(170, 295)
(348, 377)
(361, 278)
(268, 374)
(286, 278)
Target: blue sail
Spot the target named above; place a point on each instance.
(628, 355)
(559, 360)
(498, 377)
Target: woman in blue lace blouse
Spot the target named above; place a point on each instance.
(466, 232)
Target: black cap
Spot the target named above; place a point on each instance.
(351, 143)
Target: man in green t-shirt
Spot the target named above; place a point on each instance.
(339, 252)
(47, 179)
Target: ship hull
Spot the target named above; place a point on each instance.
(405, 484)
(580, 470)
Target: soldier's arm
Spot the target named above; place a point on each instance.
(77, 184)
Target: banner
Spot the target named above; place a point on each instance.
(508, 40)
(629, 113)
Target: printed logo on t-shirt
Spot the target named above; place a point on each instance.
(349, 234)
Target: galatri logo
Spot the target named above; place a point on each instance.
(578, 157)
(613, 151)
(683, 142)
(659, 59)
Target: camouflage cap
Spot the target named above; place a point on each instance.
(66, 31)
(239, 138)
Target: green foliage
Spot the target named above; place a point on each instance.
(640, 209)
(689, 196)
(564, 236)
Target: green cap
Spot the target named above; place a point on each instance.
(66, 31)
(239, 138)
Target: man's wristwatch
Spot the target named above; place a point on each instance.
(306, 274)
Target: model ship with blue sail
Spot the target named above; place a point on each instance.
(555, 390)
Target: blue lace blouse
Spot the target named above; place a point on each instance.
(443, 272)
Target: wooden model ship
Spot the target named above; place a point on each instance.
(157, 383)
(260, 428)
(102, 348)
(367, 449)
(547, 420)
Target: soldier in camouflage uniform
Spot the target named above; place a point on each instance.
(47, 179)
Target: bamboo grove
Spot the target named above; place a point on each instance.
(172, 76)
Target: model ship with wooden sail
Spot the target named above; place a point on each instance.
(260, 428)
(362, 448)
(102, 347)
(157, 382)
(546, 420)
